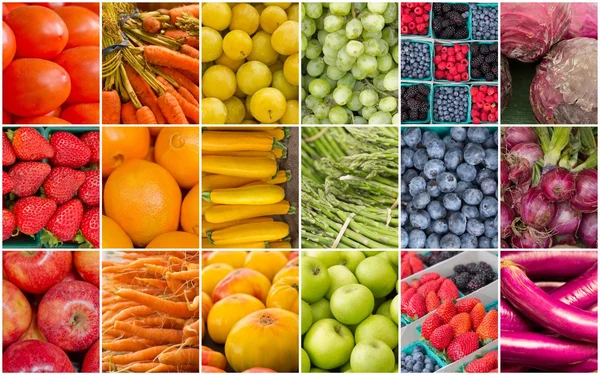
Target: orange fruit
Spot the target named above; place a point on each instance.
(175, 240)
(113, 236)
(266, 262)
(150, 156)
(154, 130)
(190, 211)
(178, 150)
(144, 199)
(212, 274)
(120, 143)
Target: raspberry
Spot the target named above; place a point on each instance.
(451, 58)
(437, 60)
(465, 76)
(461, 68)
(474, 90)
(451, 51)
(442, 65)
(453, 70)
(418, 10)
(439, 74)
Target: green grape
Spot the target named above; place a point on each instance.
(367, 112)
(328, 51)
(380, 118)
(321, 35)
(321, 110)
(330, 60)
(368, 98)
(359, 7)
(354, 103)
(313, 49)
(345, 58)
(334, 73)
(395, 54)
(378, 82)
(373, 22)
(383, 48)
(371, 47)
(333, 23)
(313, 10)
(355, 48)
(390, 81)
(369, 35)
(373, 74)
(358, 73)
(337, 115)
(319, 88)
(302, 10)
(348, 80)
(391, 13)
(302, 93)
(377, 7)
(336, 40)
(344, 66)
(390, 35)
(310, 101)
(325, 121)
(319, 22)
(308, 27)
(306, 80)
(340, 9)
(396, 119)
(332, 82)
(342, 94)
(385, 63)
(388, 104)
(354, 29)
(360, 120)
(303, 43)
(310, 119)
(315, 67)
(366, 63)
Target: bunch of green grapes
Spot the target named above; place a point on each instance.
(349, 63)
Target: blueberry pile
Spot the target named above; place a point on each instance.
(450, 21)
(473, 276)
(415, 102)
(484, 22)
(435, 257)
(484, 61)
(450, 103)
(449, 189)
(418, 361)
(416, 60)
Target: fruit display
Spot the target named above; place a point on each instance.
(350, 187)
(250, 63)
(50, 63)
(449, 188)
(548, 313)
(151, 307)
(51, 311)
(150, 63)
(250, 306)
(151, 187)
(445, 65)
(50, 187)
(413, 262)
(249, 193)
(549, 187)
(349, 311)
(350, 63)
(445, 329)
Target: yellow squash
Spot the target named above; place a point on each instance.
(249, 233)
(208, 227)
(206, 244)
(228, 212)
(281, 177)
(253, 195)
(239, 141)
(243, 154)
(255, 168)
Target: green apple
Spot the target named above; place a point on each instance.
(320, 310)
(345, 367)
(314, 279)
(328, 344)
(383, 309)
(394, 308)
(371, 253)
(397, 286)
(351, 259)
(328, 257)
(378, 302)
(307, 318)
(339, 276)
(372, 356)
(378, 275)
(316, 369)
(377, 327)
(352, 303)
(393, 257)
(305, 361)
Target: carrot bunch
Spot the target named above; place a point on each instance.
(150, 312)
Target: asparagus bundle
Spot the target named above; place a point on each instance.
(350, 186)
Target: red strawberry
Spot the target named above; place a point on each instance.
(461, 323)
(462, 346)
(416, 265)
(432, 301)
(28, 176)
(89, 191)
(64, 224)
(466, 304)
(69, 151)
(9, 223)
(7, 183)
(406, 296)
(90, 228)
(8, 153)
(487, 363)
(405, 270)
(92, 139)
(494, 370)
(404, 287)
(488, 329)
(448, 290)
(477, 315)
(33, 213)
(446, 311)
(29, 144)
(430, 324)
(441, 337)
(415, 284)
(429, 286)
(429, 276)
(62, 184)
(416, 307)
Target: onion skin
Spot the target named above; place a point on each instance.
(558, 184)
(536, 210)
(588, 230)
(565, 221)
(504, 244)
(512, 321)
(504, 181)
(581, 292)
(528, 241)
(553, 264)
(538, 306)
(529, 151)
(564, 241)
(586, 191)
(517, 135)
(506, 218)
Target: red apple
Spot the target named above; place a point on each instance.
(16, 313)
(259, 369)
(33, 332)
(91, 363)
(72, 275)
(69, 317)
(88, 266)
(35, 356)
(36, 271)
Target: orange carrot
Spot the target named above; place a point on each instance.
(188, 356)
(163, 56)
(160, 322)
(175, 309)
(128, 345)
(189, 110)
(174, 368)
(176, 34)
(145, 115)
(192, 330)
(141, 355)
(144, 93)
(187, 95)
(171, 109)
(162, 335)
(193, 41)
(154, 282)
(182, 80)
(135, 311)
(194, 77)
(176, 13)
(151, 25)
(192, 341)
(111, 107)
(184, 275)
(128, 111)
(190, 51)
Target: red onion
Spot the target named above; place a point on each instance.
(517, 135)
(566, 220)
(506, 218)
(530, 151)
(588, 230)
(519, 172)
(536, 210)
(531, 239)
(564, 240)
(512, 198)
(504, 181)
(586, 191)
(558, 184)
(504, 244)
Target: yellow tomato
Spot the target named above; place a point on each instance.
(266, 262)
(262, 49)
(284, 294)
(207, 304)
(212, 274)
(285, 38)
(268, 105)
(281, 5)
(211, 44)
(234, 65)
(287, 89)
(235, 110)
(291, 113)
(227, 312)
(292, 13)
(253, 76)
(235, 259)
(266, 338)
(245, 281)
(286, 272)
(218, 82)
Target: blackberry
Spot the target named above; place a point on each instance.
(495, 70)
(485, 68)
(491, 58)
(446, 8)
(454, 16)
(471, 267)
(486, 271)
(493, 47)
(423, 107)
(412, 103)
(402, 100)
(420, 97)
(484, 49)
(461, 8)
(446, 23)
(422, 116)
(411, 91)
(404, 116)
(475, 73)
(437, 8)
(461, 33)
(474, 49)
(476, 283)
(437, 24)
(447, 33)
(477, 61)
(462, 281)
(458, 269)
(423, 89)
(414, 114)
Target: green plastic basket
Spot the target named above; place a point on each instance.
(468, 120)
(438, 360)
(430, 45)
(430, 99)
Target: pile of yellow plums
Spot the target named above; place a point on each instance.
(250, 63)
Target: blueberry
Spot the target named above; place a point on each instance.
(436, 149)
(416, 239)
(433, 189)
(403, 187)
(457, 223)
(440, 226)
(491, 228)
(466, 172)
(452, 202)
(419, 159)
(458, 134)
(475, 227)
(449, 241)
(433, 241)
(468, 241)
(409, 175)
(453, 158)
(478, 134)
(484, 174)
(451, 144)
(433, 167)
(420, 219)
(491, 159)
(427, 137)
(421, 200)
(472, 196)
(446, 182)
(484, 243)
(488, 207)
(417, 185)
(490, 142)
(494, 242)
(470, 212)
(474, 154)
(403, 239)
(407, 157)
(489, 186)
(417, 367)
(412, 136)
(461, 186)
(403, 217)
(436, 210)
(408, 358)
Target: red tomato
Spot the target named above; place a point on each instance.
(6, 117)
(55, 112)
(9, 45)
(34, 87)
(84, 113)
(50, 5)
(94, 7)
(11, 6)
(83, 66)
(83, 26)
(42, 120)
(39, 32)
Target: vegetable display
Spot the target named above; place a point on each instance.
(549, 187)
(50, 68)
(151, 187)
(150, 64)
(349, 187)
(584, 21)
(250, 306)
(244, 183)
(250, 63)
(51, 187)
(150, 311)
(51, 311)
(553, 329)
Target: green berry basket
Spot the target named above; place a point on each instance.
(468, 59)
(429, 29)
(430, 100)
(484, 5)
(469, 18)
(438, 360)
(468, 120)
(430, 45)
(483, 79)
(485, 84)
